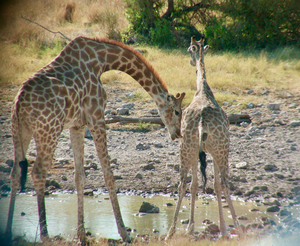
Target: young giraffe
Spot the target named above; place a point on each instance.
(204, 128)
(68, 94)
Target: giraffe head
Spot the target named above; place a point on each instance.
(170, 113)
(197, 49)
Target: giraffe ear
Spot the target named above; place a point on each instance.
(205, 49)
(180, 97)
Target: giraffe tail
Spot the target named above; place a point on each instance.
(203, 164)
(202, 157)
(23, 163)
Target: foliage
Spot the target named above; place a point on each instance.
(170, 29)
(242, 24)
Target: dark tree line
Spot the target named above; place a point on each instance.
(227, 24)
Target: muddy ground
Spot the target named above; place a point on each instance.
(264, 157)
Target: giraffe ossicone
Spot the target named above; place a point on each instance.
(204, 128)
(68, 94)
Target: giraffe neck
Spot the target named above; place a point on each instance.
(203, 88)
(96, 56)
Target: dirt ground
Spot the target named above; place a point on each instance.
(264, 157)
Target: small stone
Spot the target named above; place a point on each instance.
(10, 163)
(147, 207)
(139, 176)
(184, 221)
(88, 133)
(149, 166)
(270, 167)
(244, 124)
(242, 217)
(273, 209)
(153, 111)
(64, 178)
(142, 146)
(250, 105)
(292, 105)
(284, 212)
(128, 105)
(295, 123)
(278, 175)
(250, 92)
(122, 111)
(212, 229)
(130, 95)
(274, 106)
(242, 165)
(117, 177)
(88, 192)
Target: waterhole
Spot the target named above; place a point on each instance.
(61, 212)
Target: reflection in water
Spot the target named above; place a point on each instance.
(99, 219)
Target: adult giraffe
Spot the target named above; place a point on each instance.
(68, 94)
(205, 128)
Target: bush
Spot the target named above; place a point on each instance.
(254, 23)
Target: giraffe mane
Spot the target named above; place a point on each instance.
(137, 53)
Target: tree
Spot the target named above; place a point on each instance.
(172, 27)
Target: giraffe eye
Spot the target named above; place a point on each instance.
(176, 112)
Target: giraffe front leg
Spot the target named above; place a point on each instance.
(218, 191)
(101, 146)
(77, 141)
(181, 193)
(39, 174)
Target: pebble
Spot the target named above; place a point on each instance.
(274, 106)
(242, 165)
(295, 123)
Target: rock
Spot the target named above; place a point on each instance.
(278, 175)
(250, 105)
(274, 106)
(242, 217)
(4, 168)
(149, 166)
(64, 178)
(158, 144)
(295, 123)
(122, 111)
(5, 187)
(53, 183)
(130, 95)
(117, 177)
(88, 192)
(10, 163)
(209, 190)
(128, 105)
(273, 209)
(242, 165)
(184, 221)
(142, 146)
(270, 167)
(139, 176)
(244, 124)
(88, 133)
(284, 212)
(292, 105)
(148, 207)
(153, 111)
(212, 229)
